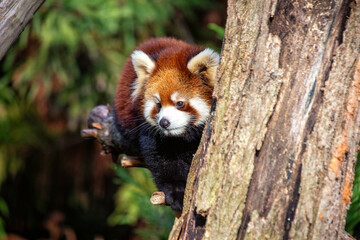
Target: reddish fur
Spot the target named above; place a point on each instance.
(170, 74)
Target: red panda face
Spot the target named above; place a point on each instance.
(175, 98)
(173, 119)
(174, 105)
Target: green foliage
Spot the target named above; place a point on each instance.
(21, 129)
(68, 60)
(133, 204)
(66, 56)
(353, 215)
(4, 212)
(73, 51)
(220, 31)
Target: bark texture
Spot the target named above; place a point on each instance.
(278, 153)
(14, 15)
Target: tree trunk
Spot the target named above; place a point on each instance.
(14, 15)
(278, 153)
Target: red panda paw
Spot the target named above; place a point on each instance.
(174, 196)
(97, 115)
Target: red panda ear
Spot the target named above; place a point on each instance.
(205, 64)
(143, 66)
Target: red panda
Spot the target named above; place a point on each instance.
(162, 101)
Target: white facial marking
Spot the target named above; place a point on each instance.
(157, 98)
(149, 105)
(202, 108)
(175, 97)
(179, 120)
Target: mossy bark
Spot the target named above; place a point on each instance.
(14, 15)
(278, 153)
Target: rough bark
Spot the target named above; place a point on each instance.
(14, 15)
(278, 153)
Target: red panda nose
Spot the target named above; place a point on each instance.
(164, 123)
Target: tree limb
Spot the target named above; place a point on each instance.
(14, 15)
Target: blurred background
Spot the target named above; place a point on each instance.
(53, 184)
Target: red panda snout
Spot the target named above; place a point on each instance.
(173, 121)
(164, 123)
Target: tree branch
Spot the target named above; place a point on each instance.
(14, 15)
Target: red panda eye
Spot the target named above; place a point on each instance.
(179, 104)
(158, 106)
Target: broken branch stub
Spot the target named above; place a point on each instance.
(89, 133)
(130, 161)
(158, 198)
